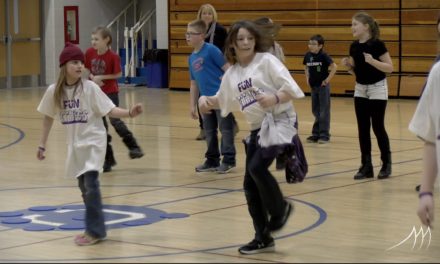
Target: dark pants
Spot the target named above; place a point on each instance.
(263, 194)
(121, 129)
(321, 111)
(94, 221)
(371, 112)
(117, 123)
(212, 122)
(201, 119)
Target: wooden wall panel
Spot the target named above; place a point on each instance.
(420, 4)
(416, 64)
(304, 33)
(189, 5)
(420, 48)
(291, 18)
(409, 31)
(422, 32)
(412, 85)
(334, 48)
(419, 17)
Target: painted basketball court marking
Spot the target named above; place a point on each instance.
(71, 217)
(20, 135)
(321, 219)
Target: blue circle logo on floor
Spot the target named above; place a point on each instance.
(71, 217)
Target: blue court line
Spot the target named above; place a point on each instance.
(321, 219)
(20, 137)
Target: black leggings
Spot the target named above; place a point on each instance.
(371, 112)
(263, 194)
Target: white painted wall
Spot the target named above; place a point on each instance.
(91, 14)
(162, 24)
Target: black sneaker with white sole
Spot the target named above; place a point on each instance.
(255, 247)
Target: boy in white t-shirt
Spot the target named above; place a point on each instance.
(80, 105)
(426, 125)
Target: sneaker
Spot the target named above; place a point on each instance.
(276, 223)
(418, 188)
(135, 153)
(108, 166)
(312, 139)
(255, 247)
(224, 168)
(236, 129)
(323, 141)
(201, 135)
(205, 167)
(86, 240)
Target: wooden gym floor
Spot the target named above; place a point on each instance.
(202, 217)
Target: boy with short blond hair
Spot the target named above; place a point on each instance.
(207, 65)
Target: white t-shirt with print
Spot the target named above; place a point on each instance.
(426, 120)
(265, 74)
(81, 114)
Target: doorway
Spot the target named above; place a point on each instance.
(20, 43)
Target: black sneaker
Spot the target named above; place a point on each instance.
(255, 247)
(312, 139)
(108, 165)
(205, 167)
(106, 168)
(276, 223)
(418, 188)
(135, 153)
(236, 129)
(225, 168)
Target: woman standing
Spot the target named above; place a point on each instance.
(369, 61)
(216, 34)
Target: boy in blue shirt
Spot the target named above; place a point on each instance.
(317, 64)
(207, 65)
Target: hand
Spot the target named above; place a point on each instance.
(204, 105)
(193, 113)
(346, 62)
(368, 58)
(266, 100)
(40, 153)
(426, 210)
(98, 80)
(135, 110)
(324, 83)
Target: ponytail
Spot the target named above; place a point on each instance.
(365, 19)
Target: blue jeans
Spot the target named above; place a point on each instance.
(321, 111)
(89, 186)
(212, 122)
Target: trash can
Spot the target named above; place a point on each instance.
(156, 63)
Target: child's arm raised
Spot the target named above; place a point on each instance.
(118, 112)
